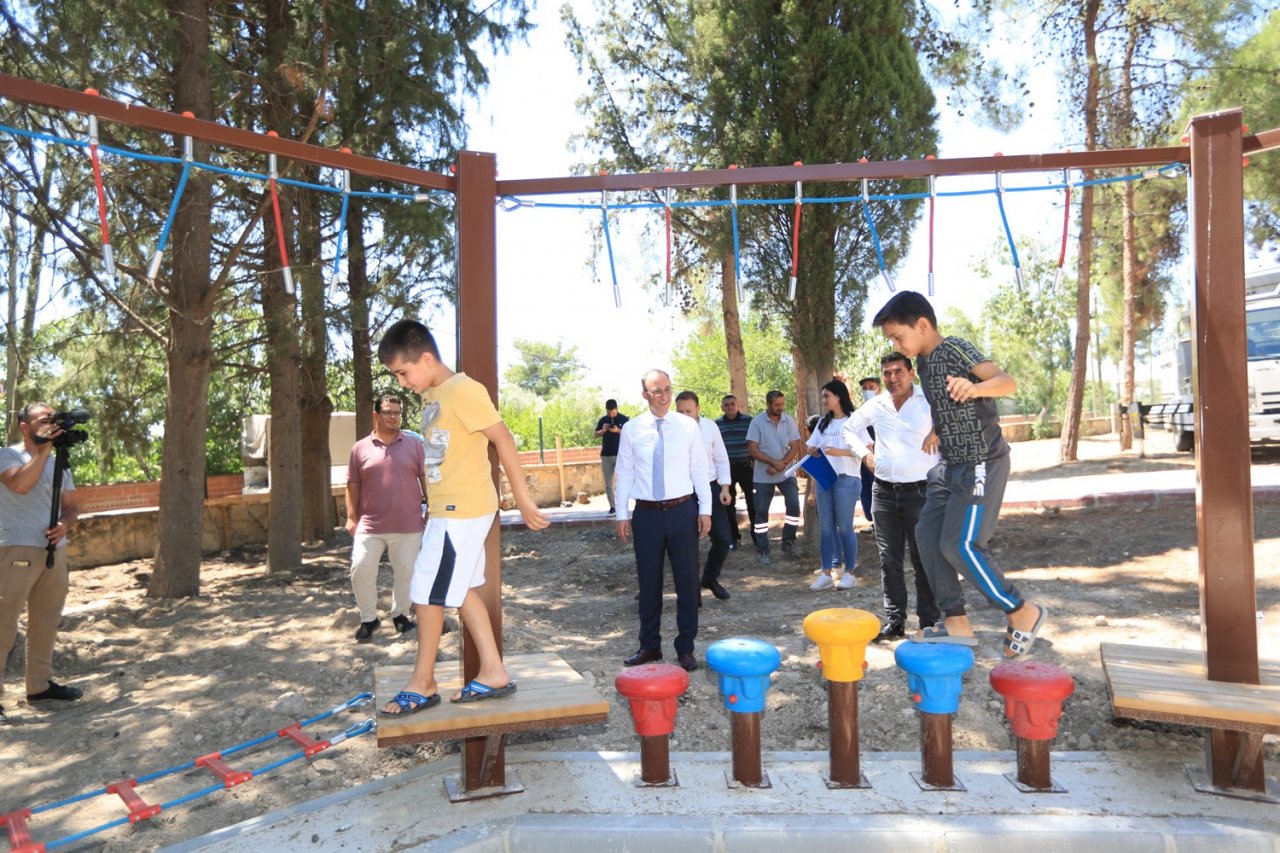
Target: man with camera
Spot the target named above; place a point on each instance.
(26, 502)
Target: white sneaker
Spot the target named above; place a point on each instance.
(824, 581)
(847, 581)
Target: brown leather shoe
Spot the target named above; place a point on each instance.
(643, 656)
(688, 661)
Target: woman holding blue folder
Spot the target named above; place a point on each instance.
(836, 497)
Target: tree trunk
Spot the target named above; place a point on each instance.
(358, 287)
(1128, 248)
(186, 419)
(11, 329)
(733, 333)
(317, 493)
(1084, 260)
(284, 536)
(1128, 338)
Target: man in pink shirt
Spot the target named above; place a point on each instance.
(386, 484)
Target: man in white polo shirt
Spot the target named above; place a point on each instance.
(901, 464)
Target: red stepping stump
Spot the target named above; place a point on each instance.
(652, 691)
(1033, 694)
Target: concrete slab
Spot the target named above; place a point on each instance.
(585, 800)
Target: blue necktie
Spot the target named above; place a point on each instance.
(659, 486)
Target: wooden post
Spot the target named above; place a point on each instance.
(560, 469)
(1224, 496)
(478, 356)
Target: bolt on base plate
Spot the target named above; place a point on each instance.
(1201, 782)
(457, 794)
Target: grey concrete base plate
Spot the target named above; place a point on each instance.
(1200, 781)
(1054, 787)
(840, 786)
(671, 782)
(734, 783)
(956, 785)
(458, 794)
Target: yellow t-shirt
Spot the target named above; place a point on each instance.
(459, 477)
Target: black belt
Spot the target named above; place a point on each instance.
(898, 487)
(662, 504)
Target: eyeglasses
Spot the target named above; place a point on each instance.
(390, 414)
(662, 391)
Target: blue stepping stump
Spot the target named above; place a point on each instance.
(742, 666)
(935, 673)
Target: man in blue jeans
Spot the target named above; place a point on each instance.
(773, 439)
(903, 423)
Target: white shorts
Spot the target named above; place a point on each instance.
(451, 560)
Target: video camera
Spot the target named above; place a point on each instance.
(70, 436)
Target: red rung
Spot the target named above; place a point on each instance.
(230, 778)
(19, 838)
(310, 746)
(139, 809)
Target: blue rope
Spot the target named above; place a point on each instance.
(138, 155)
(737, 264)
(354, 702)
(45, 137)
(173, 208)
(351, 732)
(608, 242)
(342, 229)
(1008, 232)
(875, 235)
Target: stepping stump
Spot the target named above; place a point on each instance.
(842, 635)
(935, 673)
(1033, 694)
(743, 666)
(652, 691)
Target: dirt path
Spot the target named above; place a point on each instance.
(167, 681)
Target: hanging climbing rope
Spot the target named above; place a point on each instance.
(108, 258)
(795, 240)
(733, 217)
(188, 158)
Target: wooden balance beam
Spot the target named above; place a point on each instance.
(550, 695)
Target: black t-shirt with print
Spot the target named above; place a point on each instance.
(967, 432)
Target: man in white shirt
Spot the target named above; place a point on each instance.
(662, 465)
(905, 448)
(721, 483)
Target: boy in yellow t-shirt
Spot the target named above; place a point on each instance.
(459, 422)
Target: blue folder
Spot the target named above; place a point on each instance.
(820, 469)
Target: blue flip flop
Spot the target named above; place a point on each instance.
(938, 634)
(475, 691)
(410, 703)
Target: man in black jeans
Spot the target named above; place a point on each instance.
(903, 424)
(733, 430)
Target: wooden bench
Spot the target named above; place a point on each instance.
(1171, 686)
(550, 695)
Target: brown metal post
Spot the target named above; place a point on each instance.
(478, 356)
(936, 767)
(842, 718)
(746, 749)
(1224, 497)
(1033, 763)
(655, 759)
